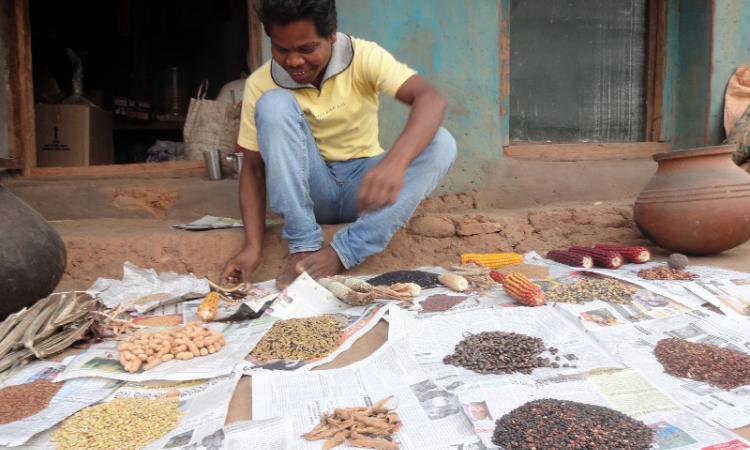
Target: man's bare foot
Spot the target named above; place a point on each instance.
(289, 272)
(323, 263)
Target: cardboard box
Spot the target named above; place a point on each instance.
(73, 135)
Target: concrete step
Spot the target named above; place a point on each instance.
(99, 247)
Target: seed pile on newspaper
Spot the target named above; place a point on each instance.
(368, 427)
(499, 352)
(721, 367)
(666, 273)
(548, 423)
(123, 423)
(300, 339)
(24, 400)
(588, 289)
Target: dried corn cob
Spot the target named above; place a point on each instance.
(498, 277)
(602, 258)
(634, 254)
(492, 260)
(570, 258)
(454, 282)
(209, 307)
(523, 290)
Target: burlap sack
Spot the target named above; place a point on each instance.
(740, 135)
(210, 125)
(737, 97)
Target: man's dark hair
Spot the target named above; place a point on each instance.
(282, 12)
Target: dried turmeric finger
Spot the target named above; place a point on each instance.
(379, 444)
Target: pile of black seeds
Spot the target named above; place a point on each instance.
(559, 424)
(721, 367)
(500, 352)
(425, 280)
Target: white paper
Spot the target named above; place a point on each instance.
(143, 289)
(431, 416)
(72, 397)
(271, 434)
(210, 223)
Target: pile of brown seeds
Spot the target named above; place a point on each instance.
(721, 367)
(588, 289)
(123, 423)
(500, 352)
(23, 400)
(547, 423)
(300, 339)
(666, 273)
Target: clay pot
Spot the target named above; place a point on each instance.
(32, 255)
(697, 203)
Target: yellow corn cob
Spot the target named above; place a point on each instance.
(209, 307)
(492, 260)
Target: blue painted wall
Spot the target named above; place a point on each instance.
(454, 44)
(706, 42)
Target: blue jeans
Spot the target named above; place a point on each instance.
(306, 190)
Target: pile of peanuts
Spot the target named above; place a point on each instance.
(148, 350)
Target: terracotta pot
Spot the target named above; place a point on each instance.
(32, 255)
(697, 203)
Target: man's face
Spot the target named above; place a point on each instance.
(299, 49)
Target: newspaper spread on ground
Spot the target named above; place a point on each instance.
(634, 346)
(204, 404)
(143, 289)
(271, 434)
(102, 360)
(730, 295)
(210, 223)
(624, 390)
(432, 338)
(432, 417)
(73, 396)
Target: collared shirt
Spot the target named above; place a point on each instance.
(343, 114)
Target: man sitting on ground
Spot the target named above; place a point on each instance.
(310, 131)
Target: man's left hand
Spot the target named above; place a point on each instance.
(380, 187)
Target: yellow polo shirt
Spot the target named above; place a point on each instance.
(343, 115)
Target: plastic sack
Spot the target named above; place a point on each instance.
(166, 151)
(740, 135)
(77, 82)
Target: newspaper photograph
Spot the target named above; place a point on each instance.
(102, 360)
(431, 416)
(73, 396)
(634, 345)
(624, 390)
(433, 338)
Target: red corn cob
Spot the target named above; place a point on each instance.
(602, 258)
(570, 258)
(499, 277)
(523, 290)
(634, 254)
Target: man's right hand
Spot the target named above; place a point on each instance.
(242, 265)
